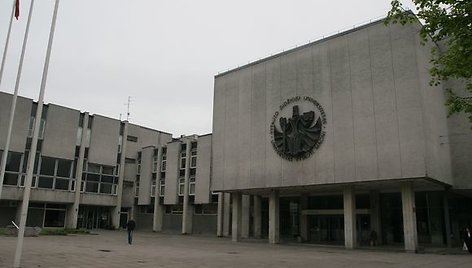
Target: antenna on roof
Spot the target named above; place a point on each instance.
(128, 107)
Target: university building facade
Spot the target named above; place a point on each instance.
(341, 141)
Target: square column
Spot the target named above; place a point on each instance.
(375, 217)
(409, 217)
(257, 216)
(158, 216)
(187, 208)
(303, 218)
(274, 213)
(237, 215)
(227, 214)
(219, 219)
(349, 218)
(245, 210)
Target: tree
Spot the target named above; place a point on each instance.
(447, 22)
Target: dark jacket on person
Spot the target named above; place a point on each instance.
(131, 225)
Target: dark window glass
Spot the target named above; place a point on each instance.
(54, 218)
(93, 168)
(132, 138)
(45, 182)
(105, 188)
(93, 177)
(10, 179)
(13, 161)
(107, 170)
(108, 179)
(63, 168)
(47, 166)
(91, 187)
(193, 171)
(62, 184)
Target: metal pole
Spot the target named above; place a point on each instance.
(7, 41)
(34, 144)
(15, 97)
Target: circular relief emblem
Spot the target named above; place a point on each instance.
(298, 128)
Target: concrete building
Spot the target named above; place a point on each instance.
(119, 166)
(173, 187)
(342, 141)
(85, 166)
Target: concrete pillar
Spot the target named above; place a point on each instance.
(245, 210)
(18, 212)
(349, 218)
(73, 211)
(187, 208)
(375, 216)
(227, 214)
(115, 218)
(219, 219)
(237, 211)
(409, 217)
(274, 214)
(158, 215)
(257, 216)
(447, 220)
(303, 218)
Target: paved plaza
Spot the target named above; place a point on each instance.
(110, 249)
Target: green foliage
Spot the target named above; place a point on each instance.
(62, 231)
(2, 231)
(447, 22)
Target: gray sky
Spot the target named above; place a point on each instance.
(164, 54)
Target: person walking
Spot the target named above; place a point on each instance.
(468, 239)
(130, 227)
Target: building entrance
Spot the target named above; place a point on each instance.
(92, 217)
(326, 229)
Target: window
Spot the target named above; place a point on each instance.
(193, 158)
(206, 209)
(153, 188)
(162, 187)
(183, 158)
(41, 128)
(181, 186)
(55, 173)
(100, 179)
(132, 138)
(191, 189)
(136, 188)
(78, 141)
(120, 143)
(164, 162)
(12, 169)
(154, 163)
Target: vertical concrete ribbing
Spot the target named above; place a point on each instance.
(117, 209)
(158, 208)
(187, 208)
(74, 210)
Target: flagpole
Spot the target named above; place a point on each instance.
(34, 144)
(7, 41)
(15, 97)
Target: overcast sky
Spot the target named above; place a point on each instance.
(164, 54)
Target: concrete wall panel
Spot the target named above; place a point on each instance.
(218, 136)
(203, 176)
(20, 121)
(104, 141)
(172, 173)
(60, 134)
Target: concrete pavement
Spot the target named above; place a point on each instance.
(110, 249)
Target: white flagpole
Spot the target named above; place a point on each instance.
(15, 96)
(7, 41)
(34, 144)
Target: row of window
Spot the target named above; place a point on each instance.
(199, 209)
